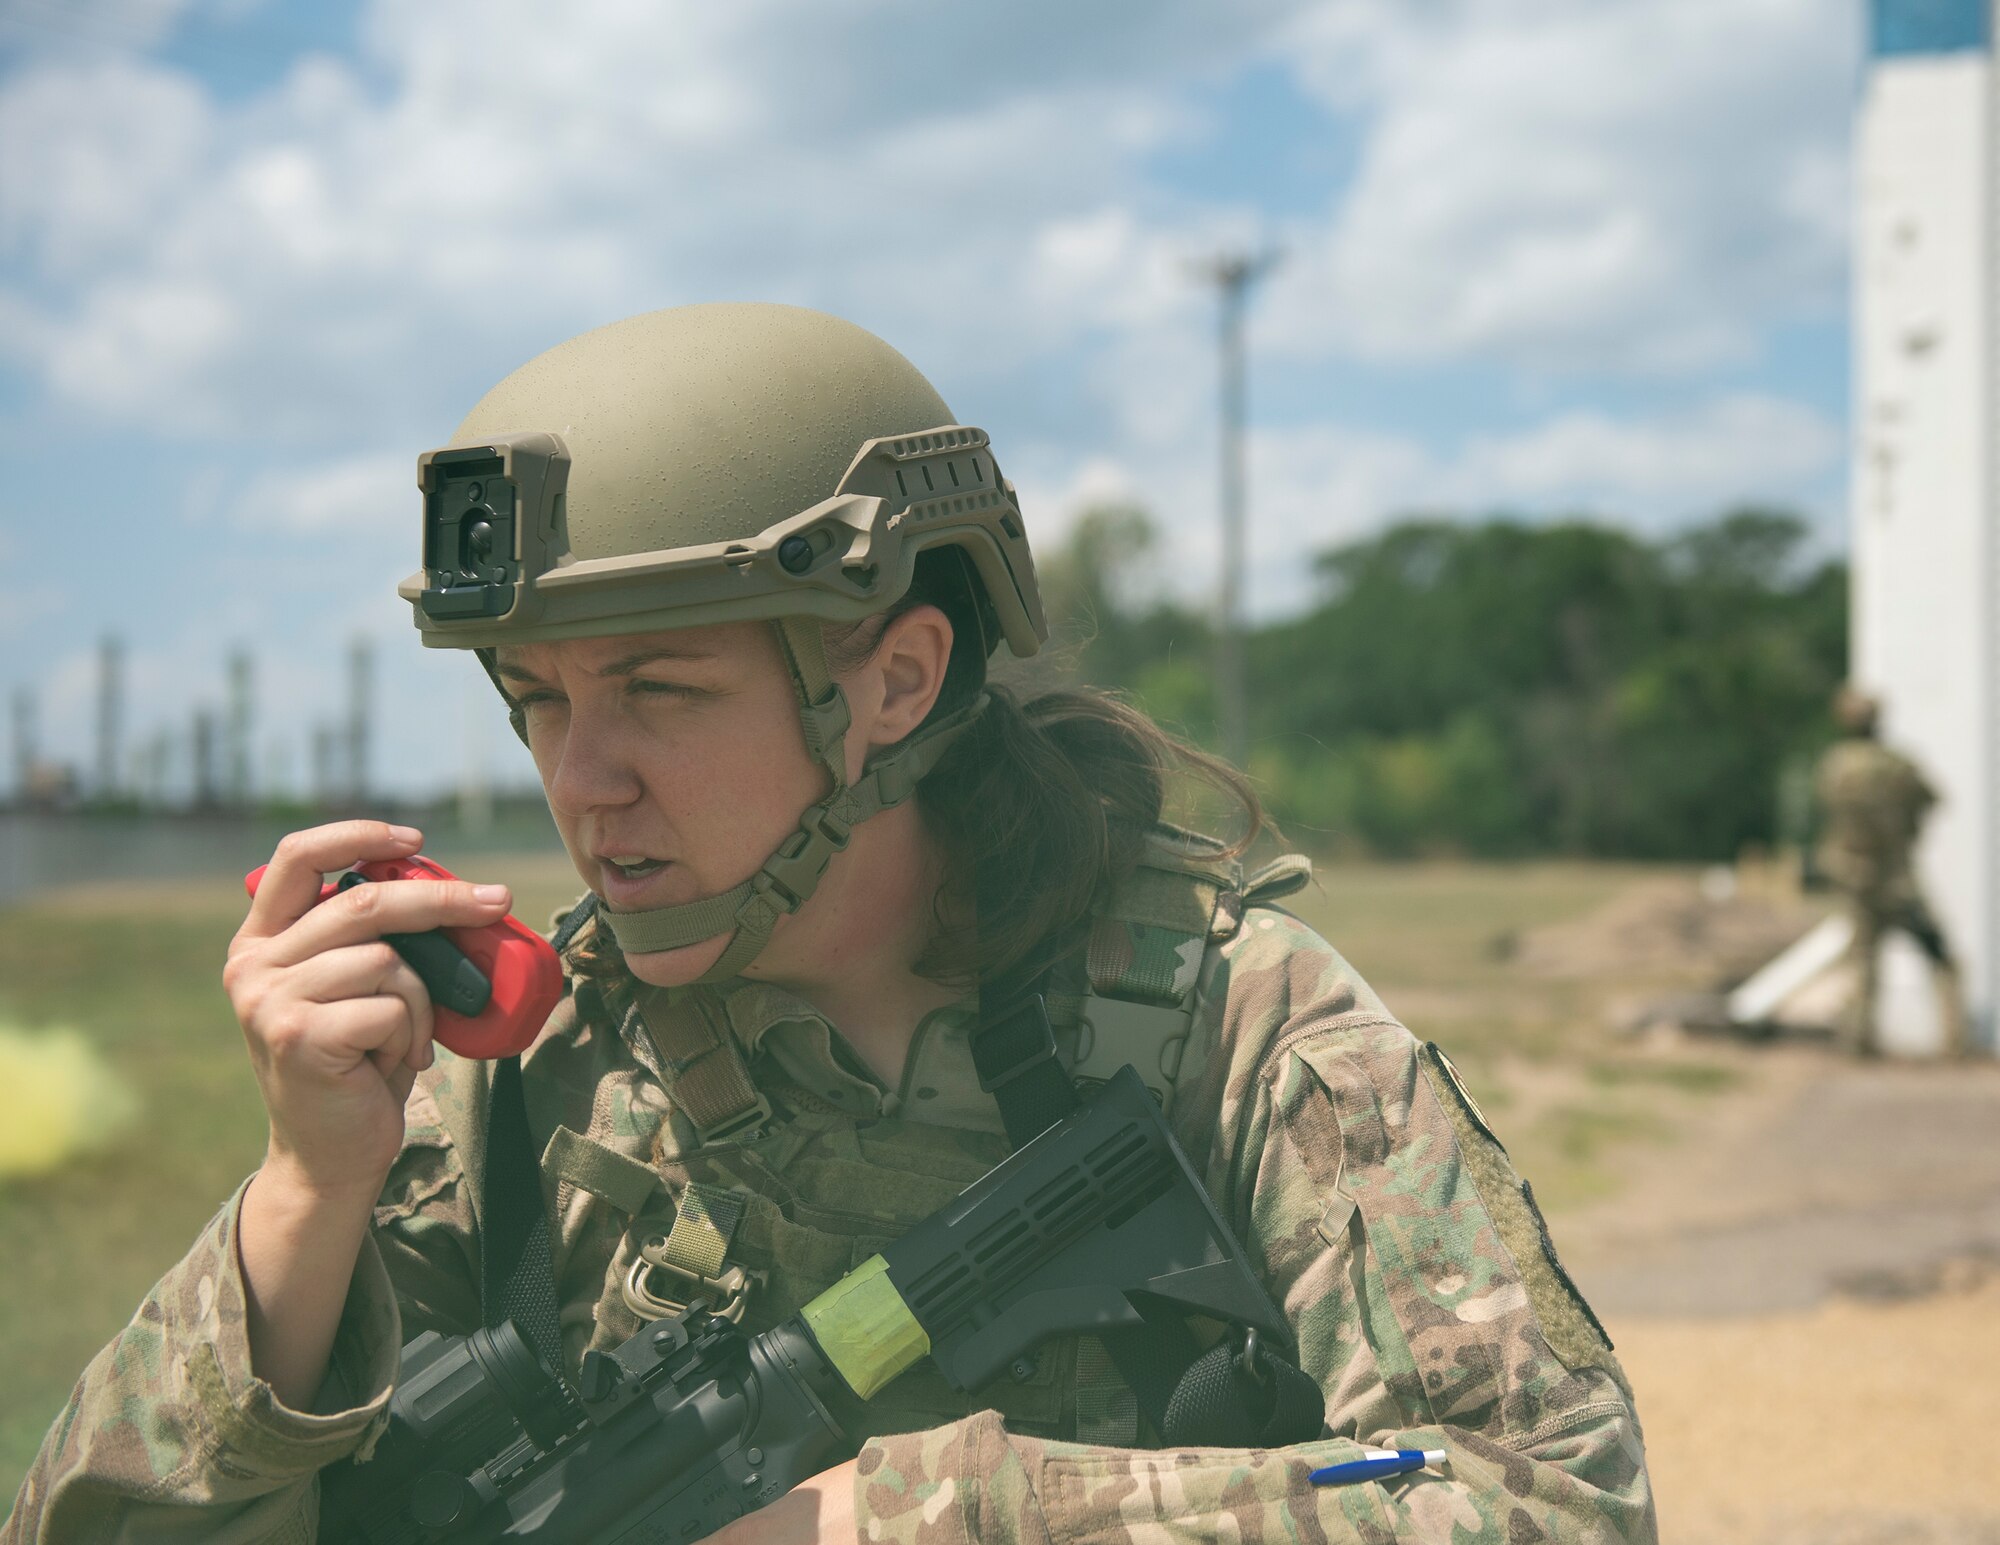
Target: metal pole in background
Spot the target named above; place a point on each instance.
(360, 709)
(326, 777)
(241, 717)
(110, 717)
(1232, 274)
(206, 789)
(26, 753)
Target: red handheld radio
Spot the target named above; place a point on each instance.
(491, 988)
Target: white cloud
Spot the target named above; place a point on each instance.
(1735, 448)
(1551, 183)
(1565, 184)
(93, 157)
(136, 346)
(329, 252)
(1052, 508)
(1315, 487)
(370, 494)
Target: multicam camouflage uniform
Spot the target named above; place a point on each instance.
(1873, 803)
(1381, 1212)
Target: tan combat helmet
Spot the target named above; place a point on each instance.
(1856, 711)
(721, 463)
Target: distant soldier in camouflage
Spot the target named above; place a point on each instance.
(742, 563)
(1872, 805)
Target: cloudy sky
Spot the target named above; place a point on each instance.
(1540, 255)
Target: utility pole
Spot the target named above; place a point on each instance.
(110, 716)
(151, 767)
(238, 727)
(202, 742)
(326, 777)
(1232, 274)
(360, 710)
(26, 753)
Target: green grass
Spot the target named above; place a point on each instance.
(1436, 941)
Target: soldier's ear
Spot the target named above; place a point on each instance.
(910, 663)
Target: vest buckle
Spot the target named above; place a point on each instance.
(1013, 1043)
(725, 1295)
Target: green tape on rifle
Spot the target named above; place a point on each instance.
(865, 1328)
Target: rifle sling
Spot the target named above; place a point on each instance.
(1014, 1051)
(516, 1272)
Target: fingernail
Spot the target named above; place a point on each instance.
(489, 893)
(406, 834)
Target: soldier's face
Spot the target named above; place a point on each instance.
(674, 764)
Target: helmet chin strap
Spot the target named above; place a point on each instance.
(751, 910)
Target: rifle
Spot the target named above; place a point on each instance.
(1099, 1225)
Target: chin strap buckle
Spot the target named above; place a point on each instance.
(826, 724)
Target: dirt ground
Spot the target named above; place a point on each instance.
(1851, 1422)
(1807, 1300)
(1804, 1283)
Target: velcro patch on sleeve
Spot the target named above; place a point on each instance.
(1571, 1328)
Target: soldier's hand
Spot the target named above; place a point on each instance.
(337, 1024)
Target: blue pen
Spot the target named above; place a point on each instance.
(1378, 1463)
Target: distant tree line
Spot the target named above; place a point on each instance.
(1501, 687)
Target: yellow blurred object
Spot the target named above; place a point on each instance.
(58, 1098)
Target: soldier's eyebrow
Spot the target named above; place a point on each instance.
(623, 666)
(627, 664)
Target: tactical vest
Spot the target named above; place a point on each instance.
(757, 1201)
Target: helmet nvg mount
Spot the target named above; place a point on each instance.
(709, 464)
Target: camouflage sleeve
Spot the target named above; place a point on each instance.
(1427, 1301)
(424, 1223)
(170, 1436)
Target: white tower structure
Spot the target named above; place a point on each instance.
(1926, 503)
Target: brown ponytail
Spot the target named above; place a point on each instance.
(1040, 810)
(1045, 804)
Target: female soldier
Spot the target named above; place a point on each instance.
(729, 564)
